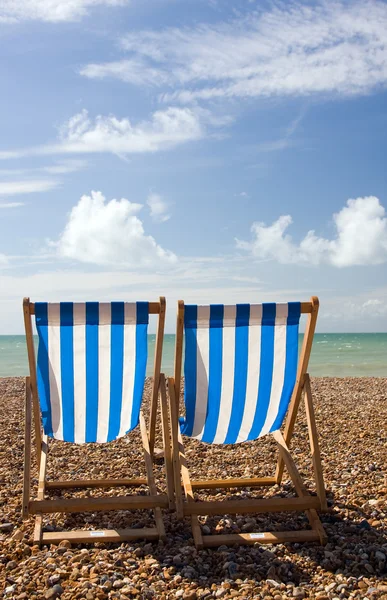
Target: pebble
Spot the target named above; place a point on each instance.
(54, 592)
(330, 587)
(9, 590)
(272, 583)
(189, 595)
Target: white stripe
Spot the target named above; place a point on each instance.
(104, 346)
(53, 314)
(253, 370)
(53, 332)
(228, 365)
(202, 370)
(79, 345)
(130, 313)
(129, 368)
(278, 367)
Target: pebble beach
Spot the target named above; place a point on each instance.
(351, 416)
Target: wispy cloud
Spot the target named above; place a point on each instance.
(50, 10)
(58, 168)
(361, 238)
(11, 204)
(12, 188)
(64, 167)
(291, 50)
(82, 135)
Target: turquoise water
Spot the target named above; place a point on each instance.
(333, 355)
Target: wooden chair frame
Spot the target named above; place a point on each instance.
(304, 500)
(153, 501)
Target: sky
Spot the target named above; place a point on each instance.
(217, 151)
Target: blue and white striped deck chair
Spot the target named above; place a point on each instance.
(87, 387)
(242, 375)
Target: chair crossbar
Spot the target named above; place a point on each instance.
(94, 483)
(102, 535)
(272, 537)
(211, 484)
(98, 504)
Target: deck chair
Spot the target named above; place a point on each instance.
(87, 386)
(242, 376)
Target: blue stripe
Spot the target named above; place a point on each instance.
(116, 368)
(142, 318)
(266, 369)
(92, 321)
(293, 320)
(240, 372)
(215, 372)
(142, 314)
(190, 362)
(43, 379)
(67, 369)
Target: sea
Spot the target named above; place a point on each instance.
(333, 355)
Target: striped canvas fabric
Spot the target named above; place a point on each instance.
(91, 368)
(240, 369)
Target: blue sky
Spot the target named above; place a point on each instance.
(207, 150)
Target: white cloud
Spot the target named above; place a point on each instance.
(109, 233)
(293, 49)
(81, 135)
(375, 307)
(130, 71)
(11, 204)
(49, 10)
(58, 168)
(12, 188)
(158, 208)
(3, 260)
(65, 166)
(361, 238)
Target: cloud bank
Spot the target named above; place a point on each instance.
(293, 49)
(109, 233)
(361, 238)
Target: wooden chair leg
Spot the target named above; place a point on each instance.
(166, 442)
(299, 485)
(196, 530)
(41, 489)
(314, 445)
(156, 375)
(150, 476)
(27, 450)
(298, 388)
(175, 448)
